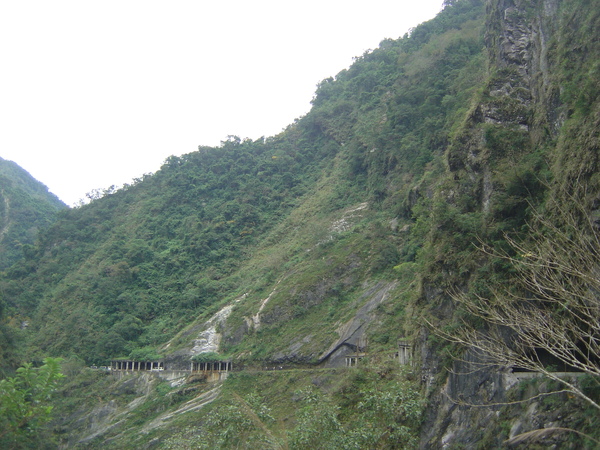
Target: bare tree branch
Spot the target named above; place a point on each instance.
(552, 305)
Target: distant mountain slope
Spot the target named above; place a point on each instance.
(26, 206)
(133, 267)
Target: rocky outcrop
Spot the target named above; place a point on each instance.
(352, 332)
(520, 107)
(518, 40)
(204, 338)
(109, 417)
(518, 110)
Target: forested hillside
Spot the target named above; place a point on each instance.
(132, 266)
(26, 207)
(425, 180)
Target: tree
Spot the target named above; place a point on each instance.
(24, 402)
(552, 311)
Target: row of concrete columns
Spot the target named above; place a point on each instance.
(137, 365)
(352, 360)
(213, 366)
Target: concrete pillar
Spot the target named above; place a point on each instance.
(404, 352)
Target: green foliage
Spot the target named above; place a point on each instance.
(26, 207)
(393, 109)
(238, 423)
(25, 406)
(367, 412)
(144, 354)
(131, 266)
(208, 357)
(318, 424)
(358, 409)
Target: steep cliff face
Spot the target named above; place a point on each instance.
(519, 38)
(520, 107)
(520, 123)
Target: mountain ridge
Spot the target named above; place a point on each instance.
(27, 206)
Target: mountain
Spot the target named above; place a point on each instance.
(27, 207)
(363, 235)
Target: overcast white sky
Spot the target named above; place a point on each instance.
(95, 93)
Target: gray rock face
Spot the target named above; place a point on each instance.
(351, 333)
(518, 36)
(107, 417)
(520, 97)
